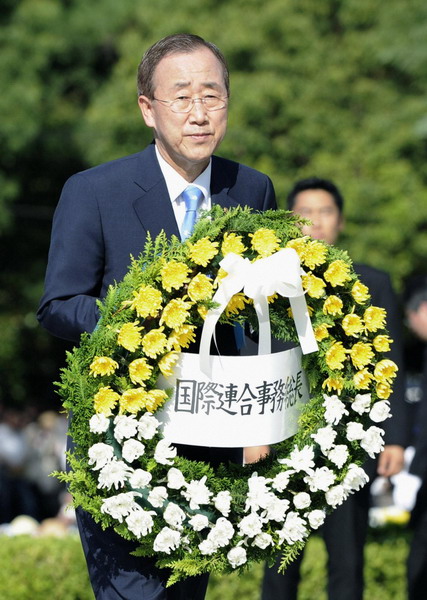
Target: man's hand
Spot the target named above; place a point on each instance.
(390, 461)
(255, 453)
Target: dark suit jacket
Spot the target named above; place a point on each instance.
(104, 215)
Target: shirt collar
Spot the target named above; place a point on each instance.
(176, 184)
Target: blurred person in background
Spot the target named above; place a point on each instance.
(345, 529)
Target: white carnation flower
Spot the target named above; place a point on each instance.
(157, 496)
(336, 495)
(221, 533)
(125, 427)
(281, 480)
(197, 493)
(131, 450)
(251, 525)
(325, 437)
(300, 460)
(140, 478)
(120, 505)
(140, 522)
(355, 478)
(361, 403)
(276, 509)
(321, 479)
(380, 411)
(167, 540)
(176, 479)
(147, 426)
(334, 409)
(316, 518)
(99, 423)
(237, 557)
(354, 431)
(262, 540)
(114, 474)
(294, 529)
(207, 547)
(372, 442)
(222, 502)
(174, 515)
(99, 455)
(338, 455)
(302, 500)
(199, 522)
(164, 454)
(258, 494)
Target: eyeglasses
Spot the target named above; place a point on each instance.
(185, 104)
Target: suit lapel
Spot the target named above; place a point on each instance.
(221, 180)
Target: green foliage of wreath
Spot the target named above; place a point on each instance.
(191, 517)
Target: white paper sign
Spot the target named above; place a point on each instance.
(247, 401)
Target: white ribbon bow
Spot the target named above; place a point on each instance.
(279, 273)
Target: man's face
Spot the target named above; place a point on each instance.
(417, 320)
(187, 140)
(319, 207)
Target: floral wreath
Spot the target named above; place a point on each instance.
(191, 517)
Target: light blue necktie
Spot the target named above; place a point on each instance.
(192, 195)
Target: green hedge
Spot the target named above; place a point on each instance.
(54, 569)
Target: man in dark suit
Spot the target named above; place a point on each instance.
(345, 529)
(104, 215)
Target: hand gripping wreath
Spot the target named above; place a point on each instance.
(191, 517)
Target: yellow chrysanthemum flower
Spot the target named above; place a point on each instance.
(299, 245)
(200, 288)
(133, 400)
(203, 251)
(174, 275)
(332, 305)
(352, 324)
(105, 400)
(103, 365)
(382, 343)
(374, 318)
(335, 356)
(130, 336)
(337, 273)
(182, 337)
(383, 390)
(202, 310)
(147, 301)
(140, 370)
(220, 275)
(167, 363)
(362, 379)
(232, 243)
(315, 254)
(154, 342)
(385, 371)
(314, 286)
(335, 383)
(321, 332)
(360, 292)
(175, 313)
(361, 354)
(154, 399)
(265, 241)
(236, 304)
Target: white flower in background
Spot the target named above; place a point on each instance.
(316, 518)
(354, 431)
(262, 540)
(114, 474)
(258, 494)
(251, 525)
(321, 479)
(99, 455)
(140, 522)
(147, 426)
(157, 496)
(222, 502)
(167, 540)
(199, 522)
(120, 506)
(361, 403)
(302, 500)
(175, 479)
(338, 455)
(325, 437)
(294, 529)
(131, 450)
(281, 480)
(276, 509)
(197, 493)
(355, 478)
(164, 453)
(125, 427)
(207, 547)
(336, 495)
(99, 423)
(300, 460)
(140, 478)
(380, 411)
(237, 557)
(334, 409)
(221, 533)
(174, 515)
(372, 442)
